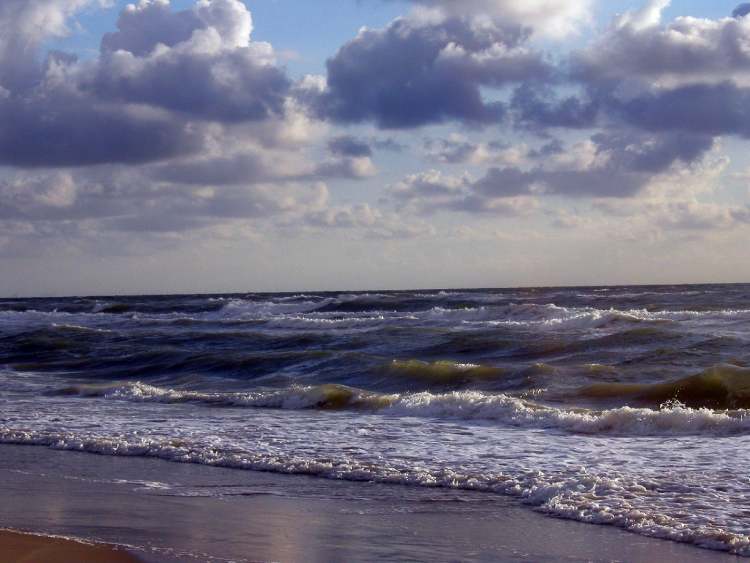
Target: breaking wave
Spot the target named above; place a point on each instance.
(720, 387)
(672, 418)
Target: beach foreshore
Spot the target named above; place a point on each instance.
(162, 511)
(30, 548)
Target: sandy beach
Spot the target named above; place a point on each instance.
(184, 512)
(28, 548)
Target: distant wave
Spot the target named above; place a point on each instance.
(671, 419)
(351, 310)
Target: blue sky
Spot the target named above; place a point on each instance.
(162, 147)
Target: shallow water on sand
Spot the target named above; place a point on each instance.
(623, 406)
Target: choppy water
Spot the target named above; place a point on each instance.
(623, 406)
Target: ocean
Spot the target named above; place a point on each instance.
(619, 406)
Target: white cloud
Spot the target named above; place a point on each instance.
(556, 18)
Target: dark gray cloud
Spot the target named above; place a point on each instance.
(46, 121)
(347, 167)
(538, 107)
(621, 165)
(687, 75)
(387, 144)
(198, 64)
(347, 145)
(252, 167)
(223, 86)
(551, 148)
(451, 151)
(463, 150)
(614, 165)
(742, 10)
(53, 128)
(709, 109)
(241, 169)
(414, 72)
(432, 192)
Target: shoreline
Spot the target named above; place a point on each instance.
(22, 547)
(165, 511)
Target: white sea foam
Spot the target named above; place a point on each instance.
(611, 499)
(300, 310)
(672, 419)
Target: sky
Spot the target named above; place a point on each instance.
(207, 146)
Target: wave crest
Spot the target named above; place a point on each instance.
(723, 387)
(671, 419)
(444, 372)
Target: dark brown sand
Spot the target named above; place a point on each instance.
(26, 548)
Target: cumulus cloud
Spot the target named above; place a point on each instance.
(689, 75)
(184, 123)
(158, 84)
(189, 123)
(398, 76)
(550, 17)
(200, 62)
(142, 27)
(687, 50)
(24, 25)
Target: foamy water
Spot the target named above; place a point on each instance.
(617, 406)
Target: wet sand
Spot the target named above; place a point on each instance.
(182, 512)
(27, 548)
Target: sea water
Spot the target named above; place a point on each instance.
(625, 406)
